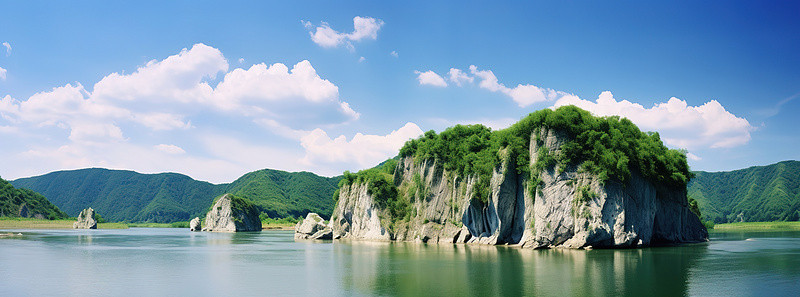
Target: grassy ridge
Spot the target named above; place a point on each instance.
(755, 194)
(12, 199)
(128, 196)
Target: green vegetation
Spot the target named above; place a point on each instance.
(170, 197)
(755, 194)
(282, 194)
(380, 185)
(608, 147)
(757, 227)
(158, 225)
(12, 200)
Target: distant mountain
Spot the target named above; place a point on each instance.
(121, 195)
(760, 193)
(26, 203)
(282, 194)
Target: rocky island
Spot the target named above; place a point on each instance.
(557, 178)
(232, 214)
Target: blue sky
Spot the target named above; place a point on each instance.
(215, 90)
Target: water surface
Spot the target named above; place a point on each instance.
(176, 262)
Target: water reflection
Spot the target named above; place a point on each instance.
(405, 269)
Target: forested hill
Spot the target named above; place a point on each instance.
(26, 203)
(121, 195)
(760, 193)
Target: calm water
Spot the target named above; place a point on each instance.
(176, 262)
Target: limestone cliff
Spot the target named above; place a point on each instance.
(232, 214)
(570, 207)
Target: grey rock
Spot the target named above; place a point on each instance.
(313, 227)
(85, 220)
(194, 224)
(570, 209)
(232, 214)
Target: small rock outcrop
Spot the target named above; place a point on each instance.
(85, 220)
(232, 214)
(313, 227)
(194, 225)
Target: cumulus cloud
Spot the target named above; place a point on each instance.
(679, 125)
(430, 78)
(523, 94)
(363, 28)
(72, 126)
(8, 48)
(3, 72)
(361, 151)
(362, 59)
(170, 149)
(459, 77)
(178, 78)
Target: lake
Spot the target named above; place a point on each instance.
(176, 262)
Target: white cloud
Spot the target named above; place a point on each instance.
(430, 78)
(363, 28)
(8, 48)
(679, 125)
(3, 72)
(241, 60)
(296, 97)
(178, 78)
(459, 77)
(394, 54)
(362, 59)
(524, 95)
(362, 151)
(693, 157)
(108, 125)
(170, 149)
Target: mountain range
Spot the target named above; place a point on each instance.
(122, 195)
(754, 194)
(759, 193)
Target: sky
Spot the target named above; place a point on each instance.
(214, 90)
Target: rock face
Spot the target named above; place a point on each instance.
(232, 214)
(313, 227)
(85, 220)
(571, 208)
(194, 224)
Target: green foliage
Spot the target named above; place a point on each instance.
(694, 208)
(12, 199)
(381, 187)
(169, 197)
(99, 219)
(266, 220)
(608, 147)
(282, 194)
(755, 194)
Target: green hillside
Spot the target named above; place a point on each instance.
(12, 200)
(282, 194)
(121, 195)
(760, 193)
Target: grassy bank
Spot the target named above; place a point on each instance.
(28, 223)
(159, 225)
(756, 227)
